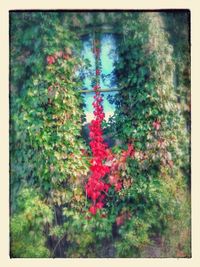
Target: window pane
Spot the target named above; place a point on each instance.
(108, 56)
(107, 79)
(88, 54)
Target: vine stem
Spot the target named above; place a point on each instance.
(52, 254)
(106, 193)
(57, 224)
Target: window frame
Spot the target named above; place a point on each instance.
(94, 32)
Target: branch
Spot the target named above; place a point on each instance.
(52, 254)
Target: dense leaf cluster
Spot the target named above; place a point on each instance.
(148, 114)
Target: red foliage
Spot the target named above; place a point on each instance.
(51, 59)
(93, 210)
(96, 186)
(122, 218)
(157, 124)
(58, 54)
(66, 56)
(97, 72)
(103, 162)
(96, 51)
(118, 163)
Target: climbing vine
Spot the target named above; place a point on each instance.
(148, 114)
(96, 186)
(78, 200)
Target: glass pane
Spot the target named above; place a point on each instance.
(88, 54)
(87, 76)
(89, 98)
(107, 79)
(108, 56)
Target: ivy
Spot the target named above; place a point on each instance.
(50, 164)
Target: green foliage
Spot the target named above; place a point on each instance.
(47, 124)
(177, 240)
(35, 35)
(148, 115)
(85, 233)
(28, 224)
(148, 94)
(179, 37)
(48, 154)
(134, 237)
(47, 151)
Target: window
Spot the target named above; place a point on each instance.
(108, 55)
